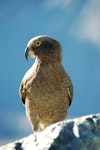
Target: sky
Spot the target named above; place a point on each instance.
(76, 25)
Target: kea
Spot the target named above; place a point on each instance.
(46, 89)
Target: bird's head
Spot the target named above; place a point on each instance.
(43, 47)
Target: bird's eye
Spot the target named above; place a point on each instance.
(37, 43)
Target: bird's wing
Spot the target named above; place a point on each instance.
(70, 93)
(23, 87)
(22, 91)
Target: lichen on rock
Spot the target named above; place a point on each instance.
(74, 134)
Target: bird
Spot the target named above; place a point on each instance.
(46, 89)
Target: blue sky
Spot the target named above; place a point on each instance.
(76, 25)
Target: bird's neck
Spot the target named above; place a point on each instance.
(47, 66)
(48, 59)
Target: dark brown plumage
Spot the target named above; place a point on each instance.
(46, 89)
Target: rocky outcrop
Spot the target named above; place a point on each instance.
(75, 134)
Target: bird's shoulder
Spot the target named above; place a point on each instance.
(29, 76)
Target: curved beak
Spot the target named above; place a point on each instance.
(26, 53)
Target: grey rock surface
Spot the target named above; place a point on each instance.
(74, 134)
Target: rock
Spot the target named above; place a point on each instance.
(74, 134)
